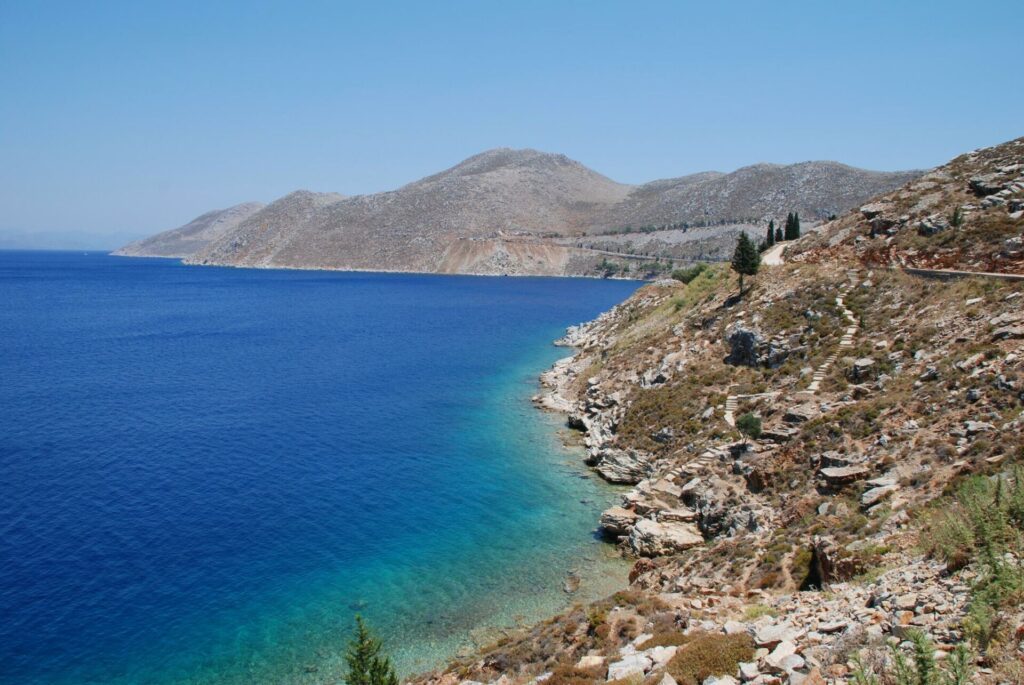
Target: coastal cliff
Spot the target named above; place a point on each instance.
(869, 510)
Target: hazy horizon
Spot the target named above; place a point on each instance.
(126, 120)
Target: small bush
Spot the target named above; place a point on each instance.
(749, 425)
(980, 524)
(708, 654)
(756, 611)
(690, 273)
(572, 675)
(920, 669)
(597, 616)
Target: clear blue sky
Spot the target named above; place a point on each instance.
(119, 119)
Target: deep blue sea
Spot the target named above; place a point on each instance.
(205, 472)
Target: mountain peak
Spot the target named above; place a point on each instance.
(510, 158)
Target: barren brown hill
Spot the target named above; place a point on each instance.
(497, 193)
(193, 236)
(511, 211)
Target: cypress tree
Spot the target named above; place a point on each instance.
(778, 234)
(771, 234)
(792, 226)
(367, 665)
(745, 259)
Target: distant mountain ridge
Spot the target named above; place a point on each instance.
(186, 240)
(499, 212)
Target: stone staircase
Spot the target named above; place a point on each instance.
(732, 403)
(846, 342)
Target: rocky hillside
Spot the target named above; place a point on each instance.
(822, 477)
(817, 190)
(510, 212)
(416, 227)
(193, 236)
(967, 215)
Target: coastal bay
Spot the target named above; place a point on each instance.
(214, 469)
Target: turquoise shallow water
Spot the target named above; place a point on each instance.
(204, 473)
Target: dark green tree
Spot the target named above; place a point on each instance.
(367, 664)
(792, 226)
(771, 233)
(745, 259)
(957, 220)
(749, 425)
(778, 234)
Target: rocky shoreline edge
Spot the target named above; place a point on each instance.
(670, 525)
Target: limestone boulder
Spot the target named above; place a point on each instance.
(618, 521)
(842, 475)
(658, 538)
(628, 467)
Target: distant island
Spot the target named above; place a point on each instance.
(520, 212)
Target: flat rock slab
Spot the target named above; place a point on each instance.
(800, 413)
(681, 514)
(840, 475)
(1008, 333)
(876, 495)
(632, 665)
(618, 520)
(975, 427)
(777, 660)
(830, 627)
(771, 635)
(656, 538)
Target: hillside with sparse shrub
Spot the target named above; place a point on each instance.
(822, 476)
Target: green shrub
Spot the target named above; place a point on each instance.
(596, 617)
(708, 654)
(572, 675)
(756, 611)
(920, 669)
(981, 519)
(690, 273)
(749, 425)
(980, 524)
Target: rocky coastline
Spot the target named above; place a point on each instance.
(862, 519)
